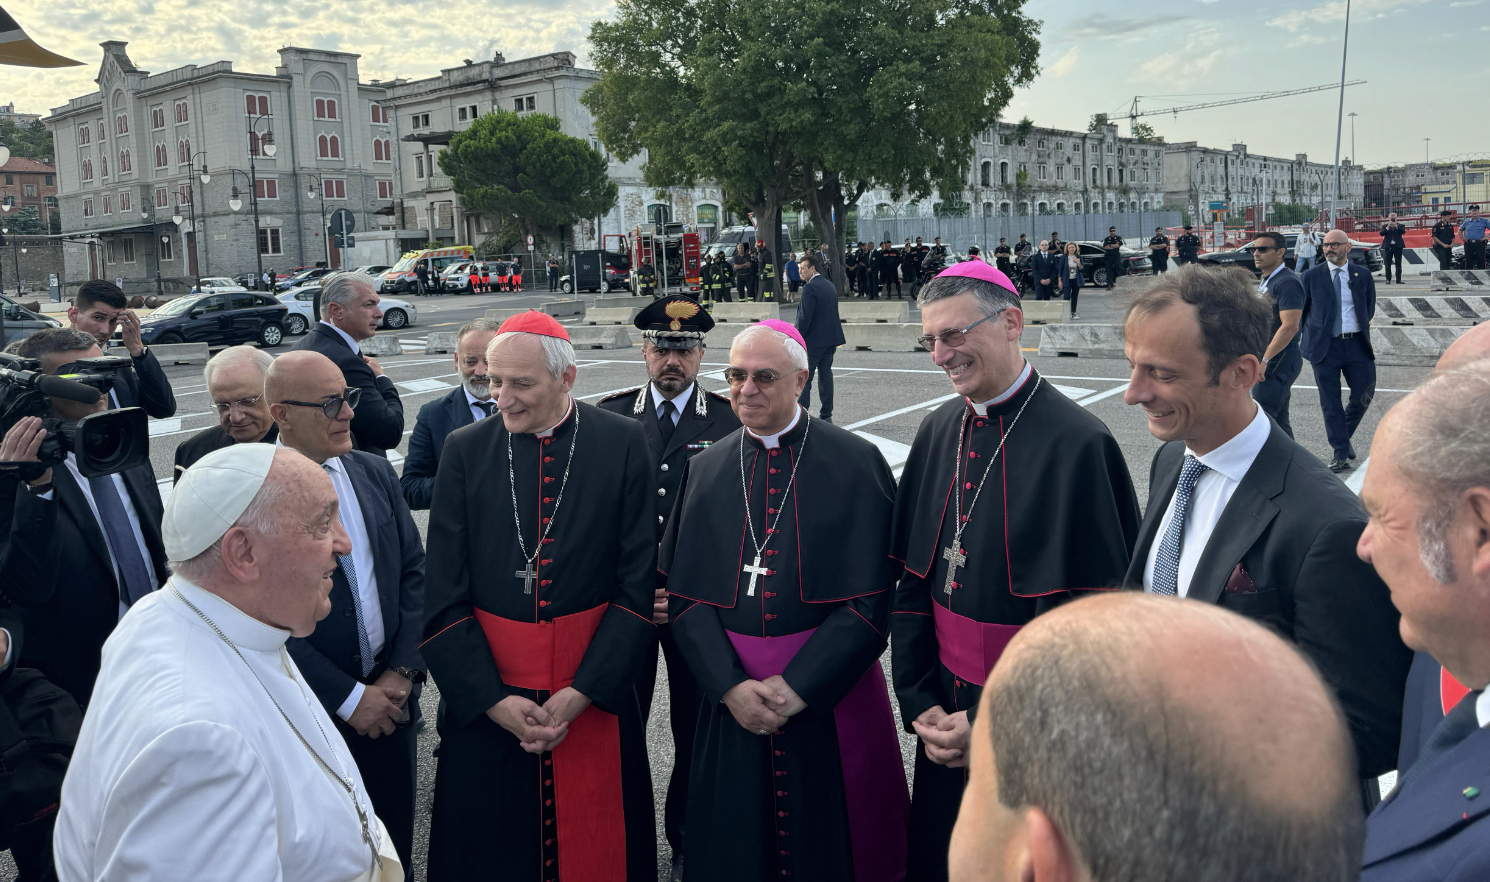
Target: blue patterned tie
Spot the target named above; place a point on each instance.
(349, 569)
(1340, 296)
(1167, 562)
(134, 574)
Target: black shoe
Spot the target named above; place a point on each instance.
(827, 418)
(1352, 454)
(1339, 464)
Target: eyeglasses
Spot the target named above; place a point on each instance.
(242, 404)
(953, 337)
(332, 406)
(738, 376)
(1337, 244)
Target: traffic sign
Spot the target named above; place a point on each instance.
(530, 241)
(341, 240)
(342, 221)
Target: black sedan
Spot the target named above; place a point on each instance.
(217, 320)
(1094, 262)
(1366, 254)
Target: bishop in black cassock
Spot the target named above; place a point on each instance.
(568, 606)
(799, 595)
(1046, 506)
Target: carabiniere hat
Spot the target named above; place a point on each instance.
(675, 322)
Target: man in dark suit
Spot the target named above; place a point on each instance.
(680, 419)
(1045, 267)
(1428, 495)
(99, 308)
(817, 321)
(1242, 516)
(1282, 360)
(235, 382)
(363, 659)
(469, 403)
(1336, 339)
(350, 307)
(75, 552)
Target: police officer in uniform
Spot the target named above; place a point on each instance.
(1112, 256)
(890, 268)
(939, 249)
(866, 268)
(1392, 245)
(1187, 246)
(851, 269)
(1001, 256)
(1159, 251)
(1474, 232)
(1056, 245)
(1443, 240)
(1023, 246)
(679, 419)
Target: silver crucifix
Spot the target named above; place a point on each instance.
(754, 569)
(527, 575)
(955, 557)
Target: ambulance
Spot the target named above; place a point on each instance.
(403, 280)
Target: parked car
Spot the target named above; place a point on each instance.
(617, 274)
(373, 269)
(21, 322)
(301, 276)
(1094, 262)
(456, 278)
(1366, 254)
(301, 303)
(220, 285)
(217, 320)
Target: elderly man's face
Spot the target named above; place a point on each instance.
(530, 399)
(242, 410)
(51, 363)
(765, 399)
(672, 370)
(298, 557)
(976, 366)
(359, 318)
(470, 360)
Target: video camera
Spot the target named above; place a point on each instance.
(104, 443)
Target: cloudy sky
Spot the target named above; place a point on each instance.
(1418, 57)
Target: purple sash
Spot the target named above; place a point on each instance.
(874, 787)
(967, 647)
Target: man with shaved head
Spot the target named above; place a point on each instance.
(1127, 737)
(364, 660)
(1340, 300)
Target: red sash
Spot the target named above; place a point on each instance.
(587, 765)
(967, 647)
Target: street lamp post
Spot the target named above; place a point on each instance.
(310, 193)
(1339, 117)
(154, 229)
(257, 142)
(15, 245)
(191, 196)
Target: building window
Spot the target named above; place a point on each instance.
(1096, 179)
(103, 166)
(254, 149)
(108, 251)
(85, 135)
(985, 174)
(460, 114)
(157, 117)
(108, 205)
(379, 114)
(1040, 143)
(1004, 174)
(124, 202)
(334, 188)
(1109, 149)
(385, 189)
(87, 208)
(30, 189)
(162, 156)
(1109, 176)
(1060, 173)
(266, 188)
(124, 164)
(1076, 208)
(100, 131)
(269, 241)
(1043, 175)
(1060, 208)
(986, 136)
(256, 105)
(707, 217)
(166, 251)
(87, 172)
(121, 124)
(419, 166)
(1094, 148)
(328, 147)
(182, 113)
(161, 198)
(1120, 177)
(1060, 146)
(382, 150)
(326, 108)
(183, 151)
(183, 196)
(525, 103)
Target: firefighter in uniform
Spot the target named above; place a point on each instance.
(1112, 256)
(768, 271)
(1443, 240)
(679, 419)
(647, 278)
(1187, 246)
(1159, 251)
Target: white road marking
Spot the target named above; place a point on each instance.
(425, 384)
(1072, 392)
(164, 486)
(1358, 477)
(894, 452)
(1093, 399)
(895, 413)
(166, 426)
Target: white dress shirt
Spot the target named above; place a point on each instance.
(678, 401)
(1482, 709)
(981, 409)
(774, 441)
(345, 336)
(477, 412)
(134, 523)
(1228, 465)
(185, 768)
(362, 560)
(1340, 276)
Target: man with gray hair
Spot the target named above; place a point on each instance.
(470, 403)
(1013, 498)
(1126, 737)
(538, 617)
(1427, 491)
(235, 382)
(349, 315)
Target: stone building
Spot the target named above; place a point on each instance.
(8, 111)
(1199, 176)
(29, 183)
(1427, 184)
(291, 146)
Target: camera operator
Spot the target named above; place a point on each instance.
(97, 309)
(75, 552)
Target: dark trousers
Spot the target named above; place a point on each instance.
(746, 286)
(1161, 261)
(1390, 256)
(1445, 256)
(1113, 262)
(1474, 254)
(32, 853)
(892, 280)
(1348, 356)
(1070, 292)
(872, 290)
(1273, 393)
(386, 764)
(1043, 292)
(682, 710)
(553, 280)
(820, 362)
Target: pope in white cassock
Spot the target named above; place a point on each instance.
(204, 754)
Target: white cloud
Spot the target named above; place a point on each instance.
(1065, 64)
(1334, 10)
(1458, 3)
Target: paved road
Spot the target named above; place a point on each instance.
(883, 396)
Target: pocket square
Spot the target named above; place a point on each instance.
(1240, 582)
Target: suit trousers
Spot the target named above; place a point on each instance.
(1474, 253)
(1276, 388)
(682, 710)
(1070, 292)
(820, 362)
(1390, 256)
(1043, 292)
(1348, 356)
(1445, 256)
(387, 765)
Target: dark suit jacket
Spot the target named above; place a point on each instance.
(436, 419)
(206, 441)
(817, 314)
(1283, 554)
(379, 422)
(1430, 829)
(1063, 276)
(1045, 266)
(329, 658)
(1422, 708)
(55, 567)
(145, 386)
(1322, 304)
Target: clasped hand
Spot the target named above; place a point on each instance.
(539, 728)
(946, 736)
(763, 706)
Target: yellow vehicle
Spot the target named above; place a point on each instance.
(403, 279)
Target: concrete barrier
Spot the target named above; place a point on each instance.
(1093, 341)
(1394, 346)
(611, 315)
(882, 337)
(564, 308)
(180, 353)
(745, 312)
(1043, 312)
(610, 302)
(1437, 309)
(439, 341)
(501, 315)
(609, 337)
(1477, 281)
(382, 344)
(888, 311)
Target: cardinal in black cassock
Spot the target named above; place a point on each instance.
(538, 618)
(1046, 507)
(783, 612)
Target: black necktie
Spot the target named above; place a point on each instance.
(490, 407)
(665, 420)
(1461, 722)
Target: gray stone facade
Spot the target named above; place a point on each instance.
(1196, 175)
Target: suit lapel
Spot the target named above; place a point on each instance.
(380, 536)
(1432, 804)
(68, 491)
(1247, 514)
(144, 495)
(1165, 478)
(649, 423)
(460, 410)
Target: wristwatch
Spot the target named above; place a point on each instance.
(409, 674)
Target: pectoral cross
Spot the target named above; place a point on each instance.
(955, 557)
(527, 575)
(754, 569)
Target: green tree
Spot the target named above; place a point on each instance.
(1286, 213)
(1023, 130)
(1098, 123)
(32, 140)
(1145, 132)
(26, 222)
(513, 166)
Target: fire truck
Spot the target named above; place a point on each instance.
(672, 252)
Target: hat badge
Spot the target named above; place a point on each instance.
(680, 309)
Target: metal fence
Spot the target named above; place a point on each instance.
(961, 233)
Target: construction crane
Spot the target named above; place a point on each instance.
(1134, 113)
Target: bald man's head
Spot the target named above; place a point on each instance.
(1127, 736)
(300, 387)
(1471, 346)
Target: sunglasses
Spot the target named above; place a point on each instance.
(952, 337)
(332, 406)
(763, 377)
(1261, 248)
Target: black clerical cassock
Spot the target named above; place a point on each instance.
(824, 797)
(1055, 512)
(581, 617)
